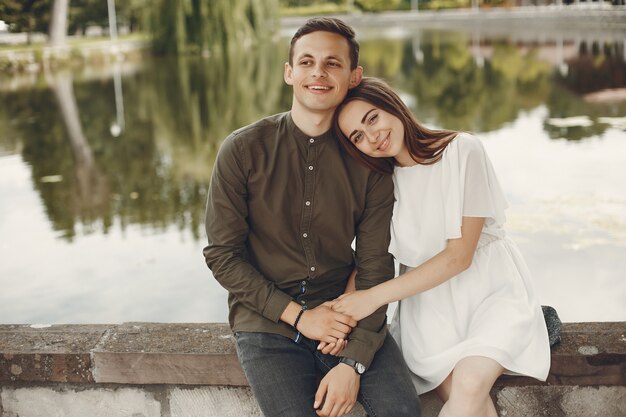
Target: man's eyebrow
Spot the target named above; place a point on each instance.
(362, 121)
(335, 57)
(305, 55)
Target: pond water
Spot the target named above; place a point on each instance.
(104, 171)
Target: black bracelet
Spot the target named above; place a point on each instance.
(295, 323)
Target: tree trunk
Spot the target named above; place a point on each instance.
(58, 23)
(92, 189)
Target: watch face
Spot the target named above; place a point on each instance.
(360, 368)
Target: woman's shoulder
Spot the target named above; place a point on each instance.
(465, 144)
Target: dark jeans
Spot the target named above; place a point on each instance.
(285, 375)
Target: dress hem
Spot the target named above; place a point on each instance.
(493, 353)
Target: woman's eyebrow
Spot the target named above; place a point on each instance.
(365, 116)
(362, 121)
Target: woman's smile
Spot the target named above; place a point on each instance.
(385, 143)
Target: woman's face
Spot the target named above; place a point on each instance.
(373, 131)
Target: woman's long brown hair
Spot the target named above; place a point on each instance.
(424, 145)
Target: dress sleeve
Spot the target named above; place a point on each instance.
(471, 188)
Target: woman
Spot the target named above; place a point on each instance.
(468, 311)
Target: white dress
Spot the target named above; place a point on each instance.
(491, 308)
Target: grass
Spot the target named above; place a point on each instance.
(75, 42)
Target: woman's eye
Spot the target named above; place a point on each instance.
(356, 138)
(373, 118)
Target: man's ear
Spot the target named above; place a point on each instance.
(356, 76)
(288, 74)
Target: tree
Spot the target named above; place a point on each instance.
(215, 27)
(26, 15)
(58, 23)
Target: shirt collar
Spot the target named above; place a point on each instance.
(300, 136)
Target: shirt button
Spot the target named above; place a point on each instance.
(312, 268)
(305, 235)
(310, 167)
(307, 203)
(303, 283)
(311, 140)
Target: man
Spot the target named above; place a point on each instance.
(284, 205)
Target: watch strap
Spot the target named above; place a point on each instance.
(357, 366)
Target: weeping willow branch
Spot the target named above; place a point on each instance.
(211, 27)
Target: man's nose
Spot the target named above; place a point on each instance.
(319, 70)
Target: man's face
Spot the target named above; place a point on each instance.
(321, 73)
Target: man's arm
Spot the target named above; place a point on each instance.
(227, 231)
(374, 266)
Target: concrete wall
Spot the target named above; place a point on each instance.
(171, 370)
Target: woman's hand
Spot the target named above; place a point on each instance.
(357, 304)
(334, 348)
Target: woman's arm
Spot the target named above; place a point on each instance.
(454, 259)
(337, 347)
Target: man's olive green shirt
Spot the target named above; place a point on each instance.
(284, 208)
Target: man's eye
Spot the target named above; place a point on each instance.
(333, 64)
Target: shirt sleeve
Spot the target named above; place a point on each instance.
(374, 266)
(227, 231)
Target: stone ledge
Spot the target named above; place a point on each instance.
(590, 354)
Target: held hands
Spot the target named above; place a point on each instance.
(357, 304)
(323, 324)
(334, 348)
(337, 392)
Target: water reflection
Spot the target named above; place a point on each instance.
(463, 81)
(152, 165)
(120, 157)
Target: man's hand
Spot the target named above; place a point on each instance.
(323, 324)
(337, 392)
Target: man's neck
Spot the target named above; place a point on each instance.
(311, 123)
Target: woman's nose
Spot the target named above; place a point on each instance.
(372, 137)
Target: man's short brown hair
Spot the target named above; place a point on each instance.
(328, 24)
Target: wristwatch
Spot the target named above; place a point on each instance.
(358, 367)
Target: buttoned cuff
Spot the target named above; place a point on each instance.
(359, 352)
(276, 305)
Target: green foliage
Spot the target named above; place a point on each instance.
(84, 13)
(377, 5)
(309, 3)
(314, 9)
(34, 15)
(26, 15)
(215, 27)
(382, 57)
(444, 4)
